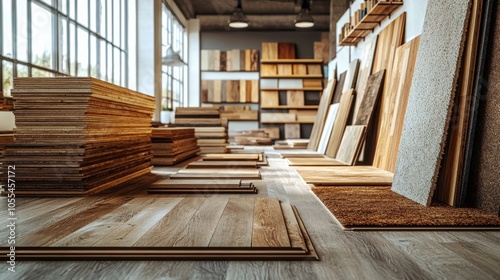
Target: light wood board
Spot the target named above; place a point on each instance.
(340, 123)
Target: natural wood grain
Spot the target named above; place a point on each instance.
(346, 176)
(269, 229)
(285, 51)
(340, 123)
(277, 117)
(269, 50)
(337, 94)
(254, 92)
(315, 161)
(293, 228)
(222, 164)
(319, 123)
(269, 98)
(328, 127)
(365, 70)
(292, 131)
(283, 69)
(352, 75)
(366, 106)
(195, 183)
(350, 146)
(299, 69)
(294, 98)
(235, 226)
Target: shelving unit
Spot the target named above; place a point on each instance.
(287, 86)
(353, 33)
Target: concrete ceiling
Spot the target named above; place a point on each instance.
(263, 14)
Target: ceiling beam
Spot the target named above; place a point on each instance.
(186, 8)
(262, 22)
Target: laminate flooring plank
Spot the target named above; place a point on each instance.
(104, 225)
(166, 232)
(269, 229)
(292, 226)
(52, 232)
(478, 255)
(130, 232)
(201, 227)
(210, 270)
(235, 225)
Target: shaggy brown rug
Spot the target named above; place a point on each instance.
(379, 208)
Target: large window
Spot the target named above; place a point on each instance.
(63, 38)
(173, 87)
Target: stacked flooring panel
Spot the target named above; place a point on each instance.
(209, 128)
(78, 135)
(173, 145)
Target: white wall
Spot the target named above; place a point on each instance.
(415, 14)
(193, 82)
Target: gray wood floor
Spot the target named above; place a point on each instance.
(344, 255)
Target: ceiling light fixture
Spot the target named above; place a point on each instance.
(238, 18)
(172, 58)
(304, 18)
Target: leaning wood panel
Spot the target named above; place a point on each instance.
(319, 123)
(350, 146)
(340, 123)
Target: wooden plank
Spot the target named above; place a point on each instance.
(235, 60)
(299, 69)
(292, 131)
(243, 91)
(216, 58)
(328, 128)
(206, 218)
(365, 70)
(254, 97)
(322, 51)
(294, 98)
(182, 184)
(277, 117)
(208, 175)
(314, 69)
(254, 60)
(269, 229)
(204, 60)
(340, 123)
(352, 75)
(268, 69)
(319, 123)
(248, 60)
(217, 91)
(269, 98)
(375, 84)
(235, 225)
(314, 161)
(346, 176)
(283, 69)
(285, 51)
(338, 88)
(350, 146)
(293, 228)
(269, 50)
(219, 164)
(252, 157)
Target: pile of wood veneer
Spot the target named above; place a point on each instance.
(209, 128)
(173, 145)
(78, 135)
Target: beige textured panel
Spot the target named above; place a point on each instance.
(427, 113)
(277, 117)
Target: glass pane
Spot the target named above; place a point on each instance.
(164, 104)
(101, 17)
(109, 23)
(93, 15)
(72, 49)
(110, 63)
(123, 24)
(83, 53)
(42, 37)
(93, 56)
(83, 12)
(7, 75)
(48, 2)
(72, 7)
(117, 66)
(103, 58)
(22, 30)
(7, 28)
(22, 70)
(116, 22)
(41, 73)
(63, 46)
(63, 6)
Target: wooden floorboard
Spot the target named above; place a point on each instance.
(235, 225)
(388, 255)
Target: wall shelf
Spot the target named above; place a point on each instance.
(371, 20)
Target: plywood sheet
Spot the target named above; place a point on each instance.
(418, 161)
(346, 176)
(328, 127)
(351, 144)
(292, 131)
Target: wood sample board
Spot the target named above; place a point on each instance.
(345, 176)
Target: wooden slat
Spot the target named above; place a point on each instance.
(235, 225)
(195, 183)
(293, 228)
(269, 229)
(352, 75)
(340, 123)
(319, 123)
(351, 144)
(222, 164)
(365, 70)
(346, 176)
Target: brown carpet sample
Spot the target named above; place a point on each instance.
(381, 207)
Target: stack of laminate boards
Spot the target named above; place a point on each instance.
(210, 129)
(230, 60)
(78, 135)
(171, 145)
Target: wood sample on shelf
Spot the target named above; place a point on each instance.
(254, 63)
(290, 83)
(365, 70)
(340, 123)
(204, 60)
(223, 61)
(345, 176)
(216, 58)
(312, 83)
(283, 69)
(269, 98)
(230, 157)
(238, 112)
(78, 136)
(304, 115)
(286, 51)
(268, 69)
(269, 50)
(299, 69)
(322, 50)
(292, 131)
(231, 91)
(252, 137)
(319, 122)
(294, 98)
(277, 117)
(314, 69)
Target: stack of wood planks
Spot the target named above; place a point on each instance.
(252, 137)
(173, 145)
(239, 112)
(230, 60)
(6, 104)
(209, 128)
(78, 135)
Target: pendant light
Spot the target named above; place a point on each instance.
(172, 58)
(304, 18)
(238, 18)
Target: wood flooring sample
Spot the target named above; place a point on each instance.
(269, 50)
(295, 98)
(292, 131)
(269, 98)
(286, 51)
(299, 69)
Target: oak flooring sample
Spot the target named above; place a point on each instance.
(254, 91)
(277, 117)
(216, 58)
(375, 85)
(284, 69)
(269, 98)
(295, 98)
(268, 69)
(427, 113)
(345, 176)
(299, 69)
(254, 66)
(204, 60)
(314, 69)
(365, 70)
(351, 144)
(292, 131)
(286, 51)
(269, 229)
